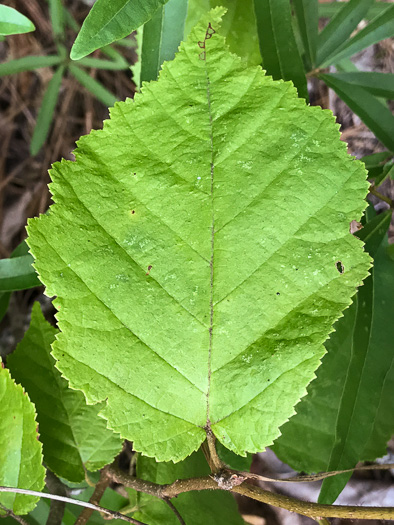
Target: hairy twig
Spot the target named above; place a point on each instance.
(95, 498)
(112, 513)
(175, 511)
(312, 510)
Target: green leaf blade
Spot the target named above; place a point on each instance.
(380, 28)
(20, 450)
(109, 21)
(169, 285)
(372, 111)
(340, 28)
(308, 21)
(281, 57)
(28, 64)
(14, 23)
(47, 109)
(74, 437)
(17, 273)
(378, 84)
(96, 88)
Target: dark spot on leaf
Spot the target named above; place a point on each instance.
(340, 267)
(149, 269)
(296, 269)
(277, 293)
(268, 379)
(132, 212)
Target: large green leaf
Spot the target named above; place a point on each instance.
(20, 451)
(239, 25)
(347, 415)
(194, 249)
(111, 20)
(13, 23)
(197, 508)
(74, 437)
(281, 56)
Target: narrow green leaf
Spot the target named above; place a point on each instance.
(340, 28)
(197, 508)
(372, 111)
(111, 20)
(281, 57)
(153, 250)
(47, 109)
(73, 435)
(161, 37)
(94, 86)
(350, 400)
(115, 55)
(14, 23)
(28, 64)
(387, 172)
(379, 84)
(19, 283)
(20, 450)
(376, 159)
(70, 21)
(56, 11)
(239, 21)
(308, 20)
(98, 63)
(378, 29)
(150, 49)
(330, 9)
(17, 273)
(378, 166)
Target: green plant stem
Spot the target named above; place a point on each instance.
(377, 194)
(323, 521)
(312, 510)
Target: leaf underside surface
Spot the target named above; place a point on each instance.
(74, 437)
(194, 248)
(20, 450)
